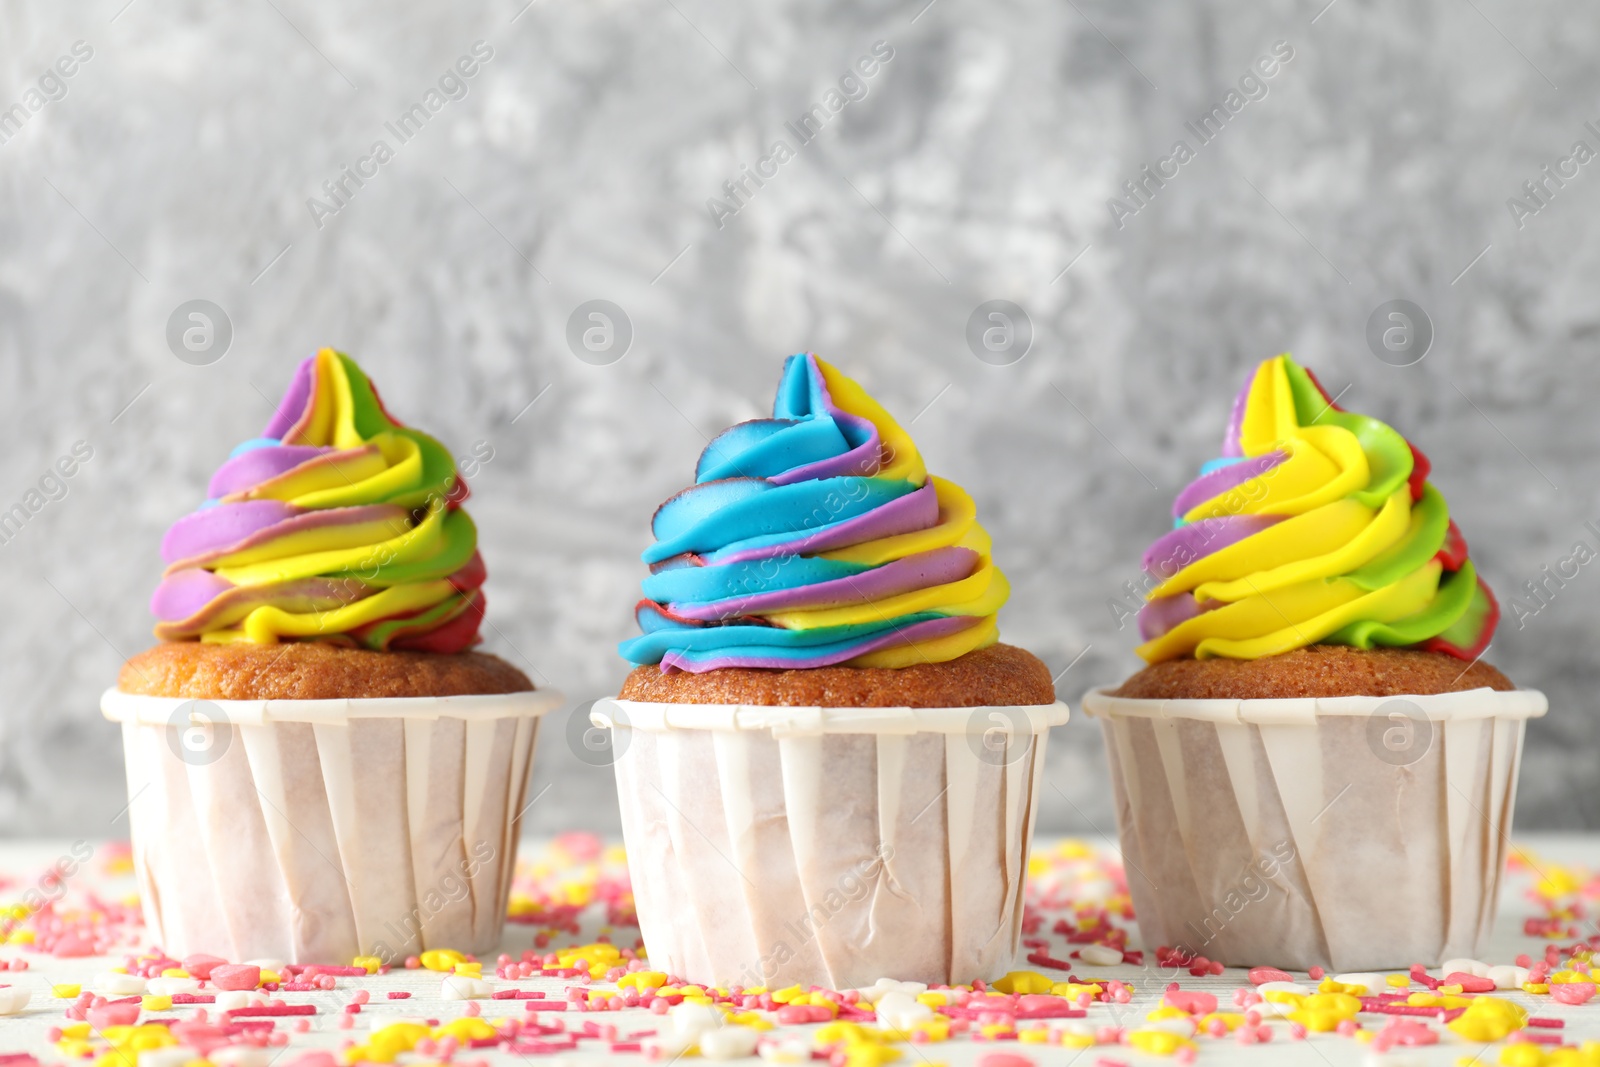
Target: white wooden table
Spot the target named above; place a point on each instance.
(28, 1031)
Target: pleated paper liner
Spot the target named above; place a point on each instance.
(1352, 833)
(770, 846)
(314, 831)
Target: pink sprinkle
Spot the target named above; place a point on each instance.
(19, 965)
(1539, 1039)
(1524, 960)
(113, 1015)
(1297, 1032)
(272, 1010)
(199, 965)
(1420, 975)
(398, 995)
(1572, 992)
(1553, 1024)
(1316, 974)
(472, 1009)
(412, 963)
(235, 976)
(301, 1026)
(1468, 983)
(347, 1022)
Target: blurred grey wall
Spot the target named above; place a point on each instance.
(984, 159)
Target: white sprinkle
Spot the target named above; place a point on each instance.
(1100, 955)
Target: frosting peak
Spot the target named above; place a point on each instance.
(1317, 525)
(812, 538)
(337, 524)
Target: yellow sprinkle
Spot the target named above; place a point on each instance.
(995, 1030)
(75, 1030)
(1071, 1040)
(642, 980)
(1167, 1012)
(1535, 987)
(441, 959)
(1037, 1035)
(1453, 989)
(845, 1033)
(387, 1043)
(1353, 988)
(370, 964)
(866, 1055)
(1023, 982)
(1559, 882)
(1318, 1021)
(175, 972)
(784, 996)
(1398, 981)
(1158, 1042)
(1232, 1020)
(66, 991)
(466, 1028)
(1489, 1019)
(1073, 990)
(1522, 1055)
(153, 1003)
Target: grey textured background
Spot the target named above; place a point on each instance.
(179, 163)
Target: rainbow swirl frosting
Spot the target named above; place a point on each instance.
(337, 524)
(1317, 525)
(812, 538)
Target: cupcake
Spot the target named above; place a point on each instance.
(1316, 767)
(828, 765)
(319, 768)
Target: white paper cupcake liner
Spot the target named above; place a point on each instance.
(770, 846)
(1354, 833)
(314, 831)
